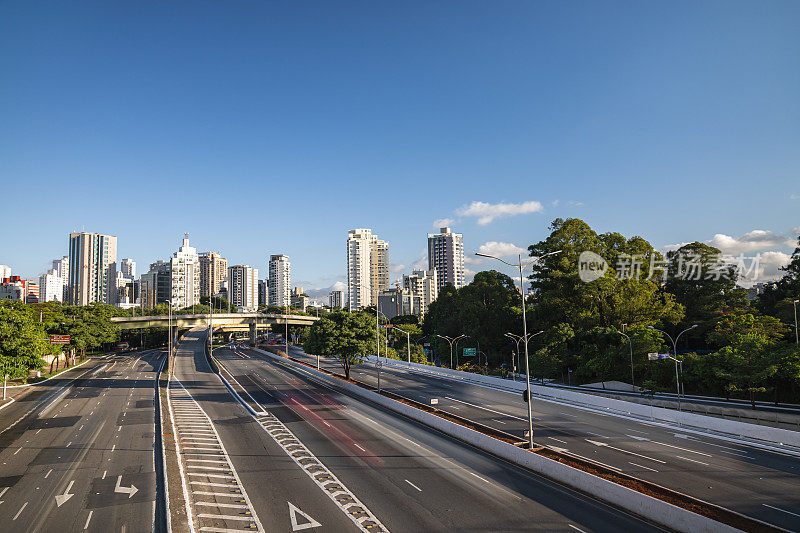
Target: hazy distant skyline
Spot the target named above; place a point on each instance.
(266, 128)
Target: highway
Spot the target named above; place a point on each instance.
(78, 455)
(356, 466)
(752, 481)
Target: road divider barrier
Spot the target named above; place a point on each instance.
(659, 511)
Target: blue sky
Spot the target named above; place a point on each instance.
(266, 127)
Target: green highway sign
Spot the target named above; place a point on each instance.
(470, 352)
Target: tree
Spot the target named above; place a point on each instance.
(705, 285)
(23, 342)
(346, 336)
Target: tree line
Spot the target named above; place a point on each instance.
(587, 327)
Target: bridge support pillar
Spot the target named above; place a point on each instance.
(253, 334)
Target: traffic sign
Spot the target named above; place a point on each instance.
(59, 339)
(470, 352)
(655, 356)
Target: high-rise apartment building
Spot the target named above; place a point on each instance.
(213, 270)
(446, 255)
(263, 292)
(128, 268)
(51, 287)
(367, 268)
(336, 299)
(154, 286)
(61, 266)
(33, 291)
(424, 287)
(279, 280)
(243, 288)
(5, 272)
(92, 268)
(185, 276)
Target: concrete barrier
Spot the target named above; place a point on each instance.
(663, 513)
(695, 421)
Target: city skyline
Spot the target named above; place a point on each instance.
(596, 113)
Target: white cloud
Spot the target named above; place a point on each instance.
(754, 240)
(575, 203)
(443, 222)
(794, 197)
(486, 212)
(501, 249)
(472, 260)
(322, 294)
(555, 203)
(395, 268)
(422, 261)
(763, 267)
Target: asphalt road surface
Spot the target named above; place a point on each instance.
(78, 456)
(752, 481)
(406, 476)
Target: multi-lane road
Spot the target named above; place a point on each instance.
(348, 465)
(284, 452)
(77, 455)
(753, 481)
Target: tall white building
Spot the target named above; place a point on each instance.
(424, 288)
(5, 272)
(61, 266)
(213, 269)
(446, 255)
(51, 287)
(367, 268)
(92, 269)
(336, 299)
(128, 268)
(243, 288)
(185, 276)
(279, 280)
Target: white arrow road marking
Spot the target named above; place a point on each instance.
(596, 443)
(131, 491)
(62, 498)
(293, 512)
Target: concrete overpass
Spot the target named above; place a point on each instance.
(228, 321)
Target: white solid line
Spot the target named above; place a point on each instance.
(18, 449)
(45, 476)
(229, 485)
(692, 460)
(24, 505)
(558, 440)
(419, 489)
(225, 517)
(114, 447)
(217, 462)
(360, 448)
(104, 474)
(221, 505)
(222, 529)
(214, 468)
(216, 476)
(228, 495)
(641, 466)
(679, 448)
(485, 408)
(86, 526)
(3, 491)
(576, 528)
(781, 510)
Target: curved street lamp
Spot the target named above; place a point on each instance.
(675, 358)
(520, 265)
(450, 340)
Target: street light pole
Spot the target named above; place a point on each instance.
(520, 266)
(408, 334)
(796, 334)
(630, 343)
(675, 358)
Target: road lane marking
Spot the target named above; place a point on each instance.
(558, 440)
(419, 489)
(18, 449)
(606, 445)
(642, 466)
(781, 510)
(222, 505)
(360, 448)
(45, 476)
(692, 460)
(24, 505)
(86, 525)
(576, 528)
(486, 409)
